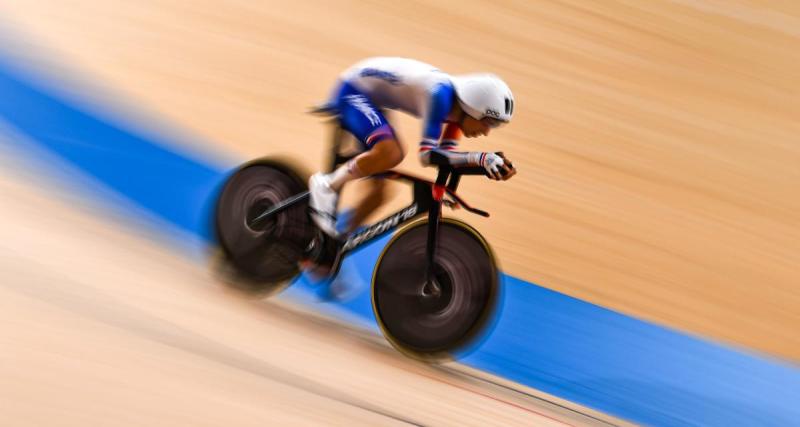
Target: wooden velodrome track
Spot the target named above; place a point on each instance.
(101, 327)
(657, 145)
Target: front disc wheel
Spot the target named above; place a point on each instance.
(433, 319)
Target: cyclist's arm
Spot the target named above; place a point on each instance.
(450, 137)
(439, 104)
(432, 152)
(443, 152)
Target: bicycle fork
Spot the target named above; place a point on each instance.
(431, 286)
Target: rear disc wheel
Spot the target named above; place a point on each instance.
(262, 258)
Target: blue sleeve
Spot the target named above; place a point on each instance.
(441, 102)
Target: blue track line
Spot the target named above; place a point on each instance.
(555, 343)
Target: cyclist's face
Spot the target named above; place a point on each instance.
(473, 127)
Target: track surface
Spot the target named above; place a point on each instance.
(657, 143)
(103, 327)
(658, 149)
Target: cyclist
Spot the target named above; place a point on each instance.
(449, 106)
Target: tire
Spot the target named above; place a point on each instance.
(432, 327)
(262, 260)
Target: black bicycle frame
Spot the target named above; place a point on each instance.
(428, 197)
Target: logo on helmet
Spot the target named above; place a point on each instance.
(492, 113)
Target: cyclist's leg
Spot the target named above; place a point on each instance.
(382, 151)
(382, 156)
(373, 197)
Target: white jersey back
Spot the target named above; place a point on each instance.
(397, 83)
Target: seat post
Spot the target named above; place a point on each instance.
(337, 136)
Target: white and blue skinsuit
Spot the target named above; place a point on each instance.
(407, 85)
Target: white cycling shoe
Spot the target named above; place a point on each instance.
(323, 203)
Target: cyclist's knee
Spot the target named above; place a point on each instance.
(396, 155)
(390, 152)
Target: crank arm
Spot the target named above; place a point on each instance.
(280, 207)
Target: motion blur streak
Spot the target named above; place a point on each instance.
(101, 327)
(622, 348)
(657, 142)
(104, 327)
(657, 145)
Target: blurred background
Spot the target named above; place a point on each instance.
(657, 148)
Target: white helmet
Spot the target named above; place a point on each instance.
(484, 95)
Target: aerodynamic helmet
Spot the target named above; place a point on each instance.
(484, 95)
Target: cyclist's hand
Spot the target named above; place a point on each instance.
(508, 169)
(497, 166)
